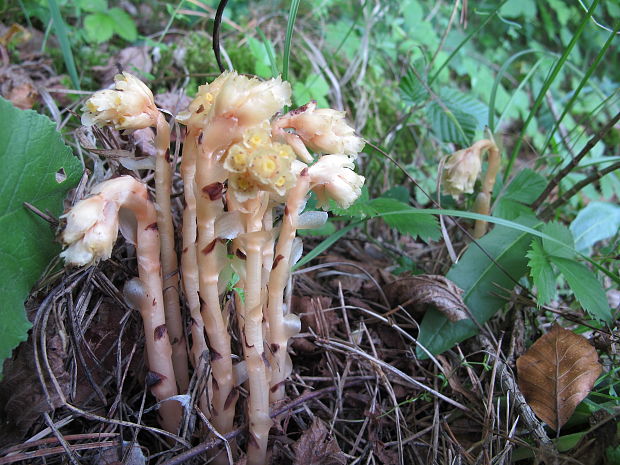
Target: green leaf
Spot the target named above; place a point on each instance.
(413, 91)
(124, 25)
(482, 283)
(517, 8)
(361, 208)
(458, 116)
(32, 154)
(400, 193)
(565, 247)
(526, 186)
(541, 272)
(596, 222)
(98, 27)
(92, 6)
(587, 289)
(412, 221)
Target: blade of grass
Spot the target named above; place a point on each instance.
(581, 85)
(65, 46)
(290, 25)
(546, 85)
(325, 244)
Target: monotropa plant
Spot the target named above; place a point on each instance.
(247, 171)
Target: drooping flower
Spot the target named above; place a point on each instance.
(332, 177)
(91, 231)
(322, 130)
(129, 106)
(461, 170)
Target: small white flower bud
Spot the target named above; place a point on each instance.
(461, 170)
(333, 178)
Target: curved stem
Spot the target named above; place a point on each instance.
(280, 366)
(483, 201)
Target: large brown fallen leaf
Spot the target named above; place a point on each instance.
(416, 292)
(557, 373)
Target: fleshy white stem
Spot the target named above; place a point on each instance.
(170, 265)
(280, 364)
(483, 200)
(252, 333)
(209, 205)
(189, 261)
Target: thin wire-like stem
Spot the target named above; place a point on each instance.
(169, 262)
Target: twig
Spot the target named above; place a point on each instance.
(595, 176)
(574, 162)
(207, 445)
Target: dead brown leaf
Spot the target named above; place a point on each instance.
(416, 292)
(557, 373)
(317, 447)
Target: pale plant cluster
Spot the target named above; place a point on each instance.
(247, 172)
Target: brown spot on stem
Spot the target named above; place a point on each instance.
(175, 341)
(153, 379)
(160, 332)
(245, 339)
(304, 172)
(215, 355)
(214, 190)
(152, 226)
(154, 303)
(230, 398)
(201, 108)
(240, 254)
(200, 136)
(192, 322)
(276, 386)
(167, 155)
(302, 108)
(209, 248)
(184, 203)
(277, 260)
(285, 210)
(275, 347)
(185, 250)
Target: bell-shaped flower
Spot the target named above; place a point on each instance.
(332, 177)
(91, 231)
(461, 170)
(322, 130)
(251, 101)
(200, 108)
(129, 106)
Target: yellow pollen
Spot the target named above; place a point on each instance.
(209, 97)
(240, 159)
(280, 181)
(269, 166)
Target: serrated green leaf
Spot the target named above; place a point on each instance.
(566, 247)
(587, 289)
(361, 208)
(510, 209)
(482, 283)
(597, 222)
(413, 91)
(411, 221)
(124, 25)
(98, 27)
(541, 272)
(526, 186)
(400, 193)
(458, 116)
(37, 168)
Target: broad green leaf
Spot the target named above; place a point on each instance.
(526, 186)
(541, 272)
(262, 63)
(39, 169)
(99, 27)
(587, 289)
(596, 222)
(412, 222)
(400, 193)
(566, 246)
(124, 25)
(457, 116)
(92, 6)
(517, 8)
(482, 283)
